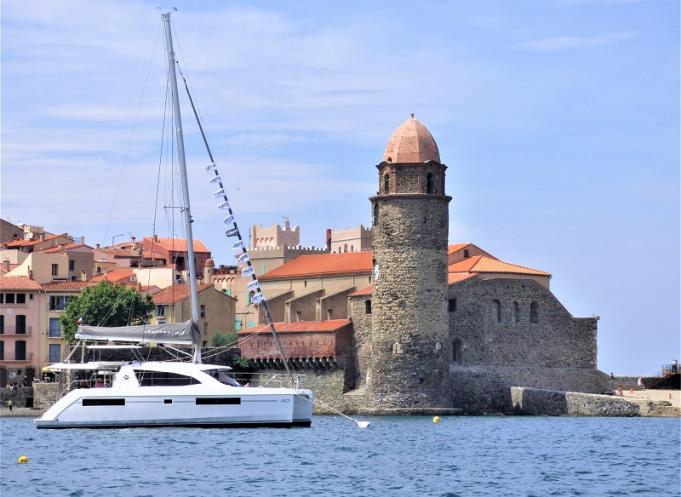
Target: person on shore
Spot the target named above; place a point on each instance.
(675, 366)
(10, 405)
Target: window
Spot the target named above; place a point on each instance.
(345, 247)
(2, 350)
(54, 329)
(298, 315)
(20, 350)
(2, 298)
(99, 270)
(9, 298)
(496, 310)
(376, 215)
(429, 183)
(21, 298)
(57, 302)
(103, 402)
(217, 400)
(457, 351)
(534, 312)
(203, 310)
(397, 348)
(72, 265)
(163, 379)
(466, 254)
(516, 312)
(367, 307)
(54, 353)
(2, 324)
(55, 269)
(20, 324)
(451, 305)
(386, 183)
(160, 311)
(329, 314)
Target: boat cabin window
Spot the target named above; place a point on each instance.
(163, 379)
(222, 376)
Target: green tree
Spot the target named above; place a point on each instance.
(223, 339)
(105, 305)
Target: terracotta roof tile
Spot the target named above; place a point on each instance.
(455, 247)
(67, 286)
(122, 275)
(58, 249)
(176, 293)
(483, 264)
(454, 278)
(367, 290)
(328, 326)
(18, 283)
(176, 244)
(323, 265)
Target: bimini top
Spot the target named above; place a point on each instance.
(177, 333)
(411, 143)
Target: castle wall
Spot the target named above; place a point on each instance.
(361, 324)
(494, 325)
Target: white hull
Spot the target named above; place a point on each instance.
(207, 404)
(75, 410)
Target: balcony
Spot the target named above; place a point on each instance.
(13, 361)
(12, 331)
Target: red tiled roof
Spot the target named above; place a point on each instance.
(328, 326)
(323, 265)
(176, 293)
(367, 290)
(483, 264)
(28, 243)
(455, 247)
(18, 283)
(115, 276)
(58, 249)
(454, 278)
(176, 244)
(67, 286)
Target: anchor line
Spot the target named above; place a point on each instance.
(234, 232)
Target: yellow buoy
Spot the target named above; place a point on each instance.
(436, 419)
(22, 460)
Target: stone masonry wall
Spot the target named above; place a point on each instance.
(361, 324)
(558, 403)
(493, 325)
(410, 343)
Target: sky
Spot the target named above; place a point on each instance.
(558, 121)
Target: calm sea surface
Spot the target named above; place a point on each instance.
(462, 456)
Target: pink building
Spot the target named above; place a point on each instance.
(21, 317)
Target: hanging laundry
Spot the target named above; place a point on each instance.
(232, 232)
(247, 271)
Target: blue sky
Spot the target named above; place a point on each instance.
(558, 119)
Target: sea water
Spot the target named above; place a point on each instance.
(405, 456)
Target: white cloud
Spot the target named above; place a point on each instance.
(559, 43)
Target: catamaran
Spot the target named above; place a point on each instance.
(146, 394)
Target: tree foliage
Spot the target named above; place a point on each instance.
(223, 339)
(105, 305)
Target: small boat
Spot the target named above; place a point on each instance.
(148, 394)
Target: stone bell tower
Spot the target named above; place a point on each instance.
(410, 346)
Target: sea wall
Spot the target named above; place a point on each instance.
(487, 389)
(46, 394)
(533, 401)
(20, 396)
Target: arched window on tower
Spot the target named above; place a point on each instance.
(534, 312)
(429, 183)
(386, 183)
(496, 310)
(457, 351)
(375, 214)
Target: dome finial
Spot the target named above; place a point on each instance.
(412, 115)
(411, 143)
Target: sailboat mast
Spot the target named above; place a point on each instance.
(185, 189)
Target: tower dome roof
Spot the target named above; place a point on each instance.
(411, 142)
